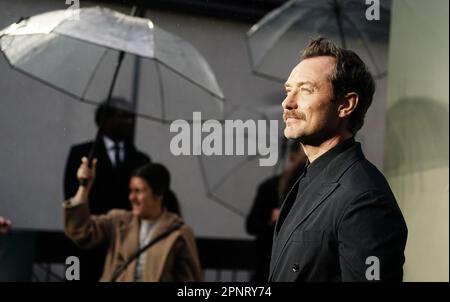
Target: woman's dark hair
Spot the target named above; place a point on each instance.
(158, 178)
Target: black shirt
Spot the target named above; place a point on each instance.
(310, 181)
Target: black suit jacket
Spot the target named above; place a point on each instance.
(329, 236)
(111, 186)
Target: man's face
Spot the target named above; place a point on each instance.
(119, 125)
(309, 113)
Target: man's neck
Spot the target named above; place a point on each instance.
(314, 152)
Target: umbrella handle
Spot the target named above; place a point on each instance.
(85, 182)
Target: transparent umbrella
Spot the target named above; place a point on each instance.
(97, 56)
(275, 42)
(232, 180)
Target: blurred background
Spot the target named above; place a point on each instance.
(405, 133)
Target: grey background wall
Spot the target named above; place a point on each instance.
(39, 124)
(417, 132)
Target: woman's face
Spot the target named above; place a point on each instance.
(144, 202)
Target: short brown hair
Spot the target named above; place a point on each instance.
(350, 75)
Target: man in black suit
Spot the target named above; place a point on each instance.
(340, 221)
(117, 158)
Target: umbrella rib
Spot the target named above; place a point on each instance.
(230, 172)
(366, 44)
(338, 13)
(94, 73)
(101, 45)
(203, 173)
(268, 77)
(191, 81)
(282, 31)
(7, 60)
(275, 13)
(210, 195)
(272, 15)
(5, 46)
(48, 83)
(161, 90)
(249, 51)
(225, 205)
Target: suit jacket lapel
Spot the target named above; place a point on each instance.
(326, 190)
(285, 208)
(312, 205)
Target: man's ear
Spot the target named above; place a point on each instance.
(347, 104)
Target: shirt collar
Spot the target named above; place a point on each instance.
(312, 170)
(109, 143)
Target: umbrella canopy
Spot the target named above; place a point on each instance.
(79, 57)
(232, 180)
(275, 42)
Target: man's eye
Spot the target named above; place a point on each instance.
(306, 90)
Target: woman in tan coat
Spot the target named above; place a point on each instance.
(174, 258)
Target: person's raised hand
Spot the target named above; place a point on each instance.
(5, 225)
(86, 174)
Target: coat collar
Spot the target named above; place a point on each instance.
(154, 257)
(314, 169)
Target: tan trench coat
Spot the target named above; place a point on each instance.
(175, 258)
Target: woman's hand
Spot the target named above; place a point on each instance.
(5, 226)
(85, 175)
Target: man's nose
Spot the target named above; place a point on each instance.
(289, 102)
